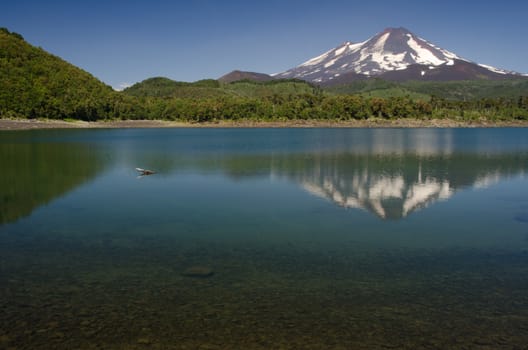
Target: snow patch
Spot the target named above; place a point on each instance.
(341, 50)
(449, 54)
(424, 56)
(389, 61)
(380, 44)
(330, 63)
(354, 47)
(493, 69)
(316, 60)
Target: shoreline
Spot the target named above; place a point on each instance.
(28, 124)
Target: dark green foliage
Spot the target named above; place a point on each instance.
(471, 90)
(289, 107)
(13, 34)
(451, 90)
(34, 83)
(167, 88)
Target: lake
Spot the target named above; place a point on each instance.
(264, 239)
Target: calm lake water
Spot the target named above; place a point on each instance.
(264, 239)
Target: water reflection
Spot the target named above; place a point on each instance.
(388, 172)
(391, 186)
(394, 187)
(388, 197)
(424, 143)
(34, 174)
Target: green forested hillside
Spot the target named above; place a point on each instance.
(451, 90)
(34, 83)
(167, 88)
(289, 87)
(472, 89)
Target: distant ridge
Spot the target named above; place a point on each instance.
(238, 75)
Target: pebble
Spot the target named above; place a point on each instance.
(144, 341)
(4, 339)
(198, 271)
(58, 335)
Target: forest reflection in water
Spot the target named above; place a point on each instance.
(33, 175)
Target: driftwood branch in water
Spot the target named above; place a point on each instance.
(144, 172)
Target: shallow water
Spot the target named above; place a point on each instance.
(317, 238)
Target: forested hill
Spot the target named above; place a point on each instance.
(34, 83)
(450, 90)
(208, 88)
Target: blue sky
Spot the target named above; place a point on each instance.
(127, 41)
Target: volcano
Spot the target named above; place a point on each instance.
(394, 54)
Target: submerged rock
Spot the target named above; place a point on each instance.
(144, 341)
(522, 217)
(198, 271)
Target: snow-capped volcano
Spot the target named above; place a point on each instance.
(393, 50)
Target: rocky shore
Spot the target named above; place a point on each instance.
(24, 124)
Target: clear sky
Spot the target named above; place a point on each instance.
(123, 42)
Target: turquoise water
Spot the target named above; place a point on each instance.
(311, 238)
